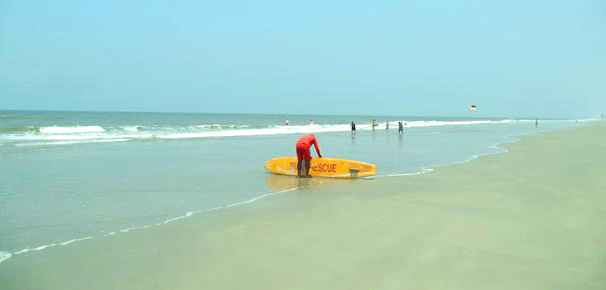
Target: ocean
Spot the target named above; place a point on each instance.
(73, 176)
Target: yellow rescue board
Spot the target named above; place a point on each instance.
(323, 167)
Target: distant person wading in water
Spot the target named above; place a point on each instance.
(353, 127)
(400, 127)
(304, 155)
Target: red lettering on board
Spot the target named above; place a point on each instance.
(325, 167)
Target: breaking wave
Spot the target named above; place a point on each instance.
(58, 135)
(71, 130)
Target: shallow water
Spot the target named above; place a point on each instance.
(73, 176)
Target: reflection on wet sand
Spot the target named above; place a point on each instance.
(282, 182)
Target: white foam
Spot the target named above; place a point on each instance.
(70, 142)
(23, 251)
(131, 128)
(5, 256)
(71, 130)
(97, 134)
(220, 126)
(43, 247)
(236, 204)
(589, 120)
(74, 240)
(276, 130)
(40, 248)
(260, 197)
(170, 220)
(293, 129)
(423, 171)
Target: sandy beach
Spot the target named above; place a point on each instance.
(136, 142)
(532, 218)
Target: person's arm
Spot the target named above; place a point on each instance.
(315, 143)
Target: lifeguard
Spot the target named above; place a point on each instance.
(304, 155)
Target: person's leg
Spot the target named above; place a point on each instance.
(299, 168)
(300, 157)
(307, 163)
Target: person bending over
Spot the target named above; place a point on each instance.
(304, 155)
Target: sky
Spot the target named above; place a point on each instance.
(510, 58)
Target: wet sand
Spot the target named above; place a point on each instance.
(533, 218)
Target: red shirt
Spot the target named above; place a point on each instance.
(306, 142)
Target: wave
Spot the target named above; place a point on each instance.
(71, 130)
(132, 128)
(69, 142)
(53, 135)
(13, 130)
(222, 126)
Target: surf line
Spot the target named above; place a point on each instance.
(421, 172)
(7, 255)
(500, 148)
(235, 204)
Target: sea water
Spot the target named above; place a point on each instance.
(67, 177)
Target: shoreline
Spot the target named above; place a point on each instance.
(474, 225)
(502, 148)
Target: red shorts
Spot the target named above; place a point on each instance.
(303, 152)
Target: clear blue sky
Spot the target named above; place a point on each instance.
(531, 58)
